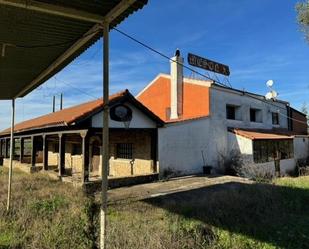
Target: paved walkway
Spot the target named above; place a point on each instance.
(142, 191)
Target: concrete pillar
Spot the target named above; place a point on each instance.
(85, 155)
(45, 153)
(105, 142)
(21, 153)
(176, 86)
(33, 151)
(61, 161)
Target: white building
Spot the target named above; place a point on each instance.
(208, 124)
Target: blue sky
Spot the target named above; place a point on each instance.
(258, 39)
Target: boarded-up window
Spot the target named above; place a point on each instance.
(265, 150)
(124, 150)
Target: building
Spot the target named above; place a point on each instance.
(68, 142)
(207, 123)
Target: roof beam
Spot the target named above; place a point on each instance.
(118, 10)
(54, 10)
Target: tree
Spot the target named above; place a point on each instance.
(302, 9)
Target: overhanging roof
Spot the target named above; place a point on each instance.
(79, 113)
(262, 134)
(39, 38)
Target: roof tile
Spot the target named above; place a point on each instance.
(64, 117)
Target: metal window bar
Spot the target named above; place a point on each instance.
(125, 150)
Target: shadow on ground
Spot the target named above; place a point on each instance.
(268, 213)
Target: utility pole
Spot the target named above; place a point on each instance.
(105, 144)
(54, 102)
(11, 156)
(61, 101)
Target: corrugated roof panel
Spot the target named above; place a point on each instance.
(34, 40)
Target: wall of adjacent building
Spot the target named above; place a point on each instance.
(181, 143)
(299, 123)
(221, 97)
(301, 147)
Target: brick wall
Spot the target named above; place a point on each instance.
(299, 127)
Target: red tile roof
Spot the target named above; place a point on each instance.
(259, 134)
(64, 117)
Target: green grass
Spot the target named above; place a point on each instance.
(49, 214)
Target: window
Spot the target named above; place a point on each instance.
(124, 150)
(233, 112)
(275, 118)
(230, 112)
(265, 150)
(252, 115)
(255, 115)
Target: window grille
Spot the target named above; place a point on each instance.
(265, 150)
(124, 150)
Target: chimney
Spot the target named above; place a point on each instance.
(176, 85)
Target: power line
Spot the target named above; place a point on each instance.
(165, 56)
(194, 71)
(81, 91)
(294, 119)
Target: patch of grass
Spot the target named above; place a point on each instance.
(48, 206)
(45, 214)
(50, 214)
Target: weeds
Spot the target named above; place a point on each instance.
(49, 214)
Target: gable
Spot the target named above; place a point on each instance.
(139, 120)
(196, 97)
(157, 96)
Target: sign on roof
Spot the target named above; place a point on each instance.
(209, 65)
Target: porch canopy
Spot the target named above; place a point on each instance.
(39, 38)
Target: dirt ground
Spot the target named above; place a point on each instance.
(174, 185)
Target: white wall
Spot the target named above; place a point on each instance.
(222, 97)
(301, 147)
(181, 144)
(139, 120)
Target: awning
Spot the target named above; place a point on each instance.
(39, 38)
(260, 134)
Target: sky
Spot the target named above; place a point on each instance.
(258, 39)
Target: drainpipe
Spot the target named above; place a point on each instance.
(11, 156)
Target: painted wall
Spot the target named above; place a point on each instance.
(139, 120)
(222, 97)
(301, 147)
(195, 97)
(181, 145)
